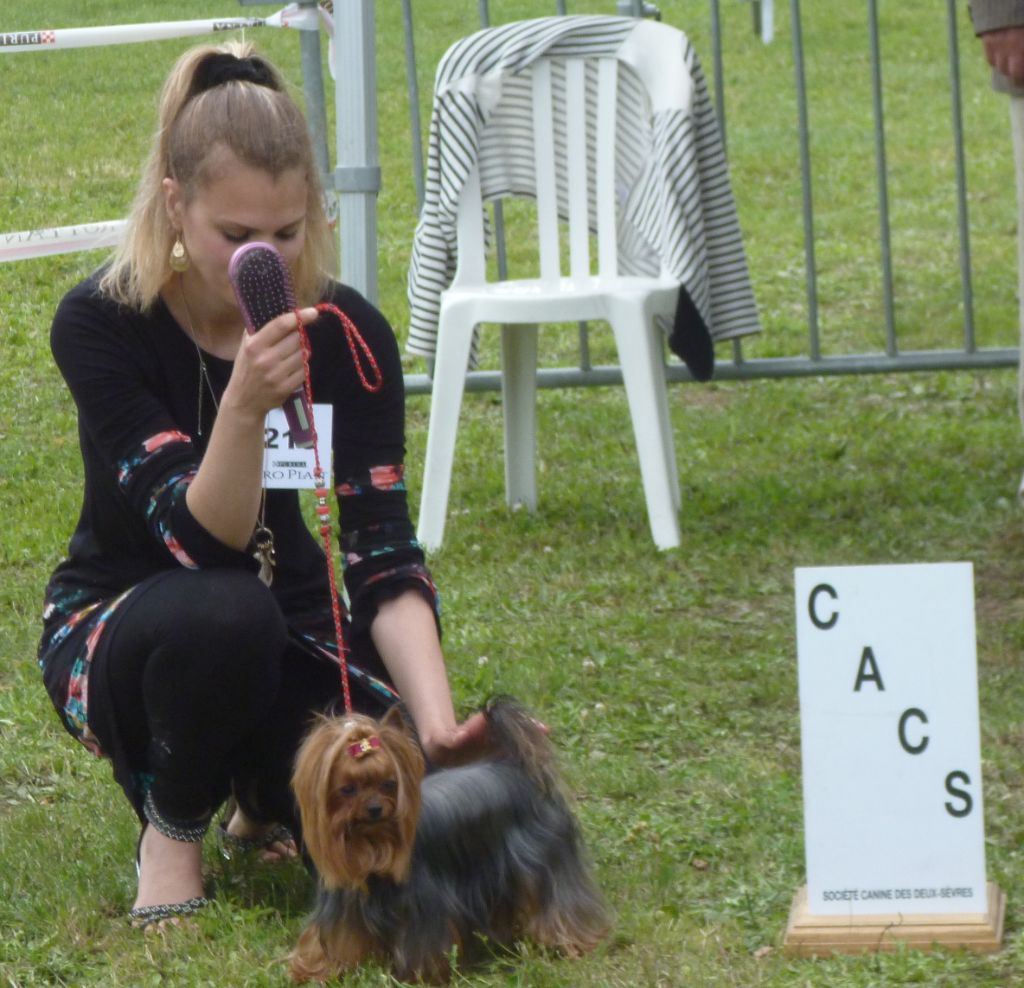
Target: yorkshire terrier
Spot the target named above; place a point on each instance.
(415, 869)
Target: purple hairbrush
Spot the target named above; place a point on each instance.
(259, 275)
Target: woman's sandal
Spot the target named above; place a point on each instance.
(158, 917)
(145, 917)
(231, 846)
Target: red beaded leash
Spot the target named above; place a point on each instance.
(356, 343)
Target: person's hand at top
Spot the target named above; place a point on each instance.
(1004, 50)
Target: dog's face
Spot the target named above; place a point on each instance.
(363, 796)
(357, 782)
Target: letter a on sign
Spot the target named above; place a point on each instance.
(868, 671)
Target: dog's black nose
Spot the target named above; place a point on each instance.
(374, 811)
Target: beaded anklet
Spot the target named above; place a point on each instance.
(143, 917)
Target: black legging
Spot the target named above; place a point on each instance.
(196, 684)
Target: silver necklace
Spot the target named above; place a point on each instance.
(204, 374)
(262, 537)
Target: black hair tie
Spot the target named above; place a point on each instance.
(223, 67)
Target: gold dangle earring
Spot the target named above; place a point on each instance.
(179, 259)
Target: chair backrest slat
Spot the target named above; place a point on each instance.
(577, 184)
(606, 198)
(544, 156)
(589, 140)
(472, 260)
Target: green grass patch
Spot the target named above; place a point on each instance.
(669, 679)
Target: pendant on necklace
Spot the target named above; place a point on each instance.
(263, 553)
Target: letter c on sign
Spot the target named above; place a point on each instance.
(912, 749)
(830, 621)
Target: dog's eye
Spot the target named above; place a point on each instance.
(347, 790)
(389, 787)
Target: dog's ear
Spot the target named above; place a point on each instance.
(398, 720)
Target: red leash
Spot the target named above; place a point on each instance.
(360, 353)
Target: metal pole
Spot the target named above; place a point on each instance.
(882, 178)
(966, 288)
(357, 177)
(313, 88)
(414, 103)
(763, 368)
(805, 183)
(716, 51)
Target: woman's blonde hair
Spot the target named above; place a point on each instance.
(256, 120)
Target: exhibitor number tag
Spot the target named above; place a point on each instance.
(288, 467)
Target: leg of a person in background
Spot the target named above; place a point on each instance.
(1017, 129)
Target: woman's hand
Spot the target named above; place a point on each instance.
(268, 366)
(465, 742)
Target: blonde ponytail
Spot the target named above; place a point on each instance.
(259, 123)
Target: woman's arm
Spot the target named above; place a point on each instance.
(393, 597)
(405, 634)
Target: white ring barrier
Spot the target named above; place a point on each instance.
(292, 16)
(122, 34)
(26, 244)
(60, 240)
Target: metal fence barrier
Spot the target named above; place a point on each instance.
(356, 181)
(813, 362)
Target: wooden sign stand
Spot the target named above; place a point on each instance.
(819, 936)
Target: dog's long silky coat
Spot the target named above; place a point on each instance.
(413, 867)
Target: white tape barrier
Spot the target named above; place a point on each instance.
(292, 16)
(27, 244)
(59, 240)
(121, 34)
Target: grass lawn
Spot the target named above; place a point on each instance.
(670, 679)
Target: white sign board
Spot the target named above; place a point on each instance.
(286, 466)
(890, 742)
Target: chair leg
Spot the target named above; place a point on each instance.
(643, 374)
(519, 406)
(454, 339)
(669, 436)
(662, 398)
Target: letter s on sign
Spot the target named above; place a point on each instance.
(965, 780)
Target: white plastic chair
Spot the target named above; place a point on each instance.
(628, 304)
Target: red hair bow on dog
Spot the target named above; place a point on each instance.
(364, 746)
